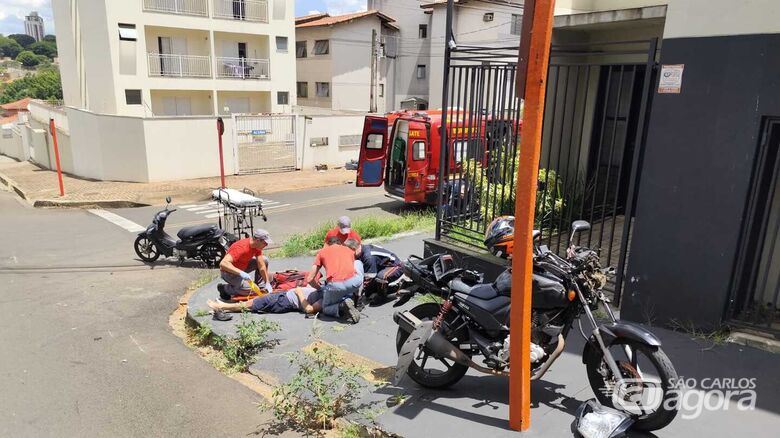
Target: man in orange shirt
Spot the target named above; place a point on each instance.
(243, 257)
(343, 231)
(343, 279)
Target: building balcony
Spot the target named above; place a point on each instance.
(183, 66)
(243, 68)
(199, 8)
(244, 10)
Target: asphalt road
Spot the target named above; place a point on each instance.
(84, 338)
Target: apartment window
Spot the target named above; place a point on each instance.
(281, 44)
(303, 89)
(127, 32)
(321, 47)
(323, 89)
(421, 71)
(300, 49)
(133, 97)
(423, 32)
(516, 27)
(283, 98)
(381, 90)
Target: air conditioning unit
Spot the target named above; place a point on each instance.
(488, 17)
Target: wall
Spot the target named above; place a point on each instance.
(351, 47)
(201, 102)
(259, 102)
(699, 159)
(13, 146)
(315, 68)
(327, 126)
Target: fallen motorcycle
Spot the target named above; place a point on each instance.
(437, 343)
(203, 242)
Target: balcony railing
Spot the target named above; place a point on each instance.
(182, 7)
(184, 66)
(243, 68)
(245, 10)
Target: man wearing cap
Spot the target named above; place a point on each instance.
(243, 257)
(343, 231)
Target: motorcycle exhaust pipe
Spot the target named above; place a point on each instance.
(443, 348)
(553, 357)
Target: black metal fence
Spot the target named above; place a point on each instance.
(595, 113)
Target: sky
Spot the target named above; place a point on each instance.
(12, 12)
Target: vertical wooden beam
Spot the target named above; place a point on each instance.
(525, 202)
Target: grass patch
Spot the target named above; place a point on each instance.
(717, 337)
(370, 227)
(201, 313)
(429, 298)
(236, 354)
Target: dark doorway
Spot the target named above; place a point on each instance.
(757, 274)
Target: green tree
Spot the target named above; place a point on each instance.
(9, 47)
(45, 85)
(23, 40)
(28, 58)
(45, 48)
(50, 38)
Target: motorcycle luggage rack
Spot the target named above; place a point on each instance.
(238, 208)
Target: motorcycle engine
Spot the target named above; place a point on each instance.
(537, 352)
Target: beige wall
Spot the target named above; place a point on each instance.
(331, 127)
(702, 18)
(201, 102)
(314, 68)
(259, 102)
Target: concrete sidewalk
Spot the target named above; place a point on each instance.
(40, 187)
(478, 404)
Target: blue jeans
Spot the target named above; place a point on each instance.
(334, 293)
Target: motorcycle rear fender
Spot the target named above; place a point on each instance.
(406, 321)
(619, 330)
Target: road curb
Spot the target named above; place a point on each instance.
(11, 184)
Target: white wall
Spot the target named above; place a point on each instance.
(327, 126)
(703, 18)
(314, 68)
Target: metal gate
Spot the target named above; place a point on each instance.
(594, 129)
(264, 143)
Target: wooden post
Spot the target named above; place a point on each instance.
(539, 32)
(220, 131)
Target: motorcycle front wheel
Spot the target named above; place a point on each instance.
(649, 377)
(212, 254)
(146, 249)
(426, 369)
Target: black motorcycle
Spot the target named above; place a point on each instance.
(203, 242)
(438, 343)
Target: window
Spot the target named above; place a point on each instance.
(421, 71)
(133, 97)
(375, 141)
(381, 90)
(323, 89)
(281, 44)
(423, 32)
(303, 89)
(347, 141)
(418, 151)
(283, 98)
(300, 49)
(127, 32)
(516, 27)
(318, 141)
(321, 47)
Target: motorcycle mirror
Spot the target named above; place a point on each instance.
(168, 199)
(576, 228)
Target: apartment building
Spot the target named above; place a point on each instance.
(176, 57)
(33, 26)
(345, 62)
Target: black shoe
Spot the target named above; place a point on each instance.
(348, 312)
(223, 295)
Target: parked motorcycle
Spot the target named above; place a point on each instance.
(203, 242)
(437, 343)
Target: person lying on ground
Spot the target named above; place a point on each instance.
(380, 266)
(343, 231)
(343, 279)
(243, 257)
(292, 300)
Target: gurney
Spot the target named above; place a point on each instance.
(238, 208)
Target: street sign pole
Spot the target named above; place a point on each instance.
(534, 58)
(53, 130)
(220, 131)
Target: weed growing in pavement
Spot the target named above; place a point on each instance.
(349, 431)
(429, 298)
(202, 334)
(202, 312)
(322, 390)
(240, 352)
(717, 337)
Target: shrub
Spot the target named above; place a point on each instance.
(28, 58)
(242, 351)
(44, 85)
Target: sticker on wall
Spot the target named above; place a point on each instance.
(671, 78)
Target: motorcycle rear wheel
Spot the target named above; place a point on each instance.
(212, 253)
(665, 376)
(146, 250)
(431, 377)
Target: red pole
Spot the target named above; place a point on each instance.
(220, 131)
(537, 33)
(53, 130)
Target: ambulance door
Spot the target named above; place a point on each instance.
(373, 153)
(418, 154)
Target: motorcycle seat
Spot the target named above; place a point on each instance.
(481, 291)
(190, 232)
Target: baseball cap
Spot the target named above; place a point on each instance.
(263, 235)
(344, 224)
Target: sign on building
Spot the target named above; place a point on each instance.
(671, 79)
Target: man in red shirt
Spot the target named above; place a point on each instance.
(343, 231)
(343, 279)
(243, 257)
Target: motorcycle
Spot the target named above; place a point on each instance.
(203, 242)
(437, 343)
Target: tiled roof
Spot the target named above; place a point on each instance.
(19, 105)
(327, 20)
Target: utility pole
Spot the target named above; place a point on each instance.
(372, 91)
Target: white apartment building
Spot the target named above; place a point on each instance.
(176, 57)
(33, 26)
(336, 60)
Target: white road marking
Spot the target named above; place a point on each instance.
(188, 206)
(276, 206)
(117, 220)
(213, 215)
(202, 207)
